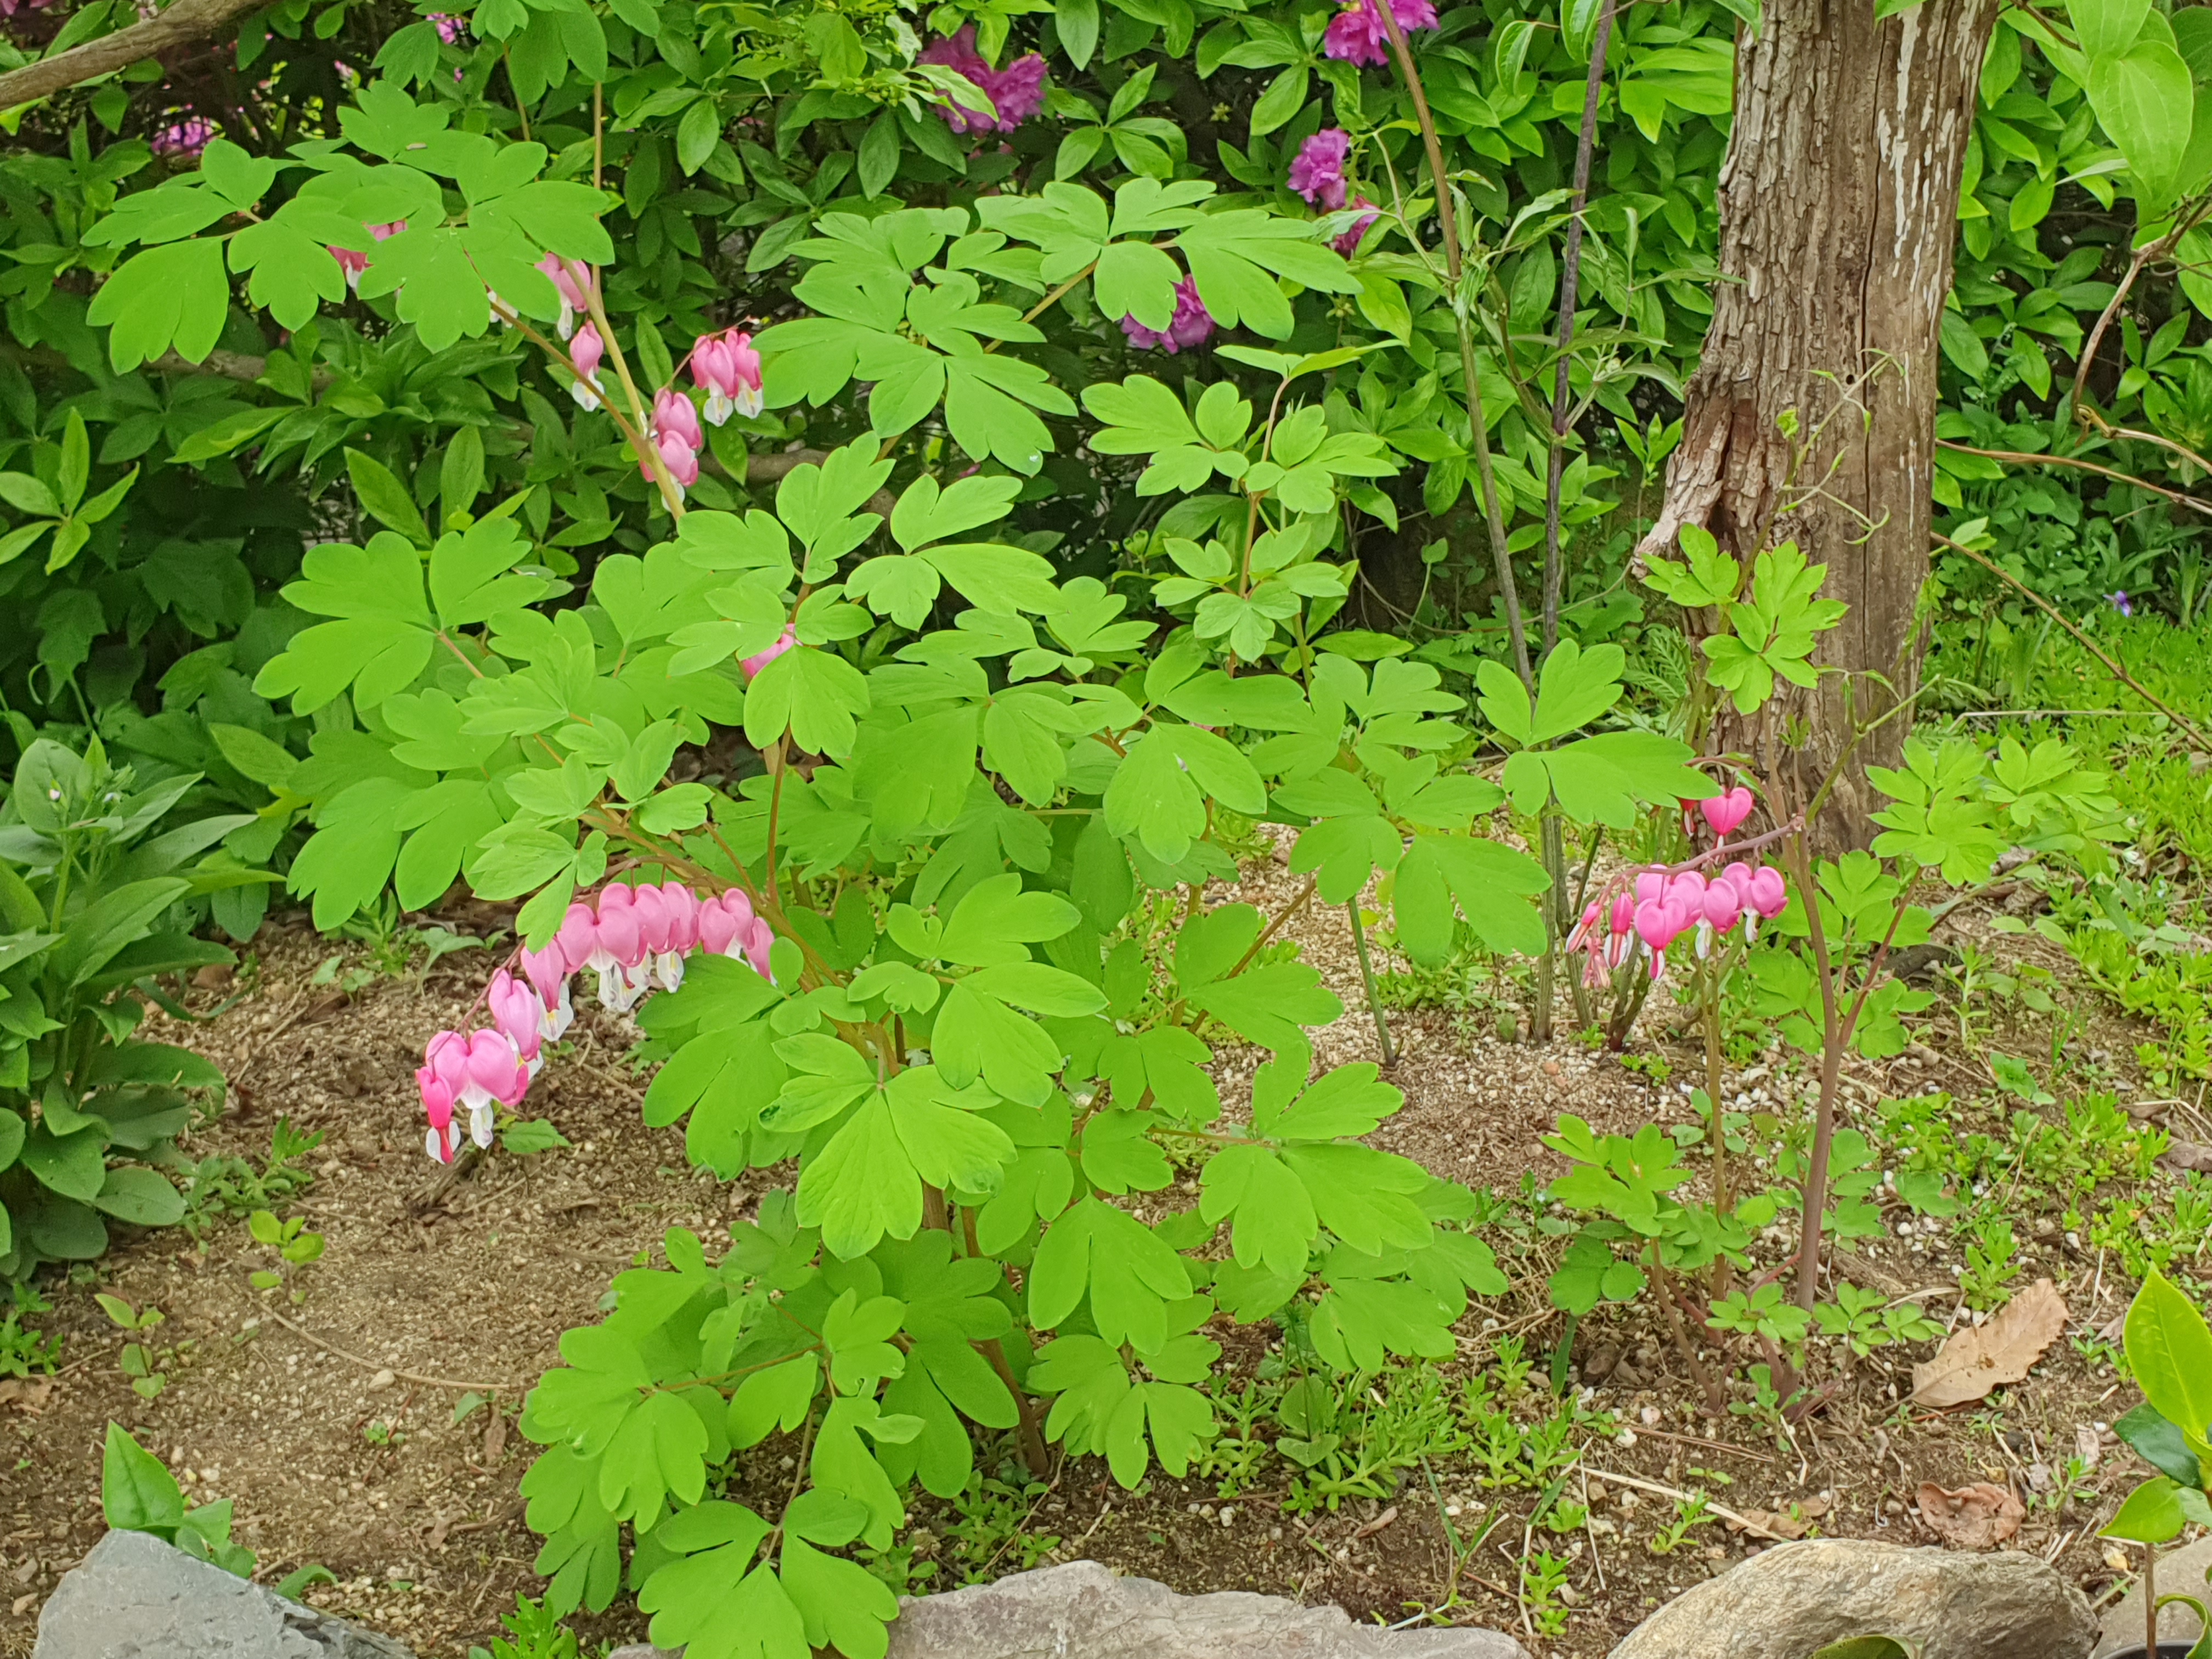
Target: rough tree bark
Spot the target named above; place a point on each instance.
(1838, 205)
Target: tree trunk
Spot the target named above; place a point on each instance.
(1838, 205)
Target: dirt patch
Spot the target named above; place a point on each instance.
(331, 1422)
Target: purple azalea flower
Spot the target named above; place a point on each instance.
(1191, 325)
(1357, 34)
(1348, 244)
(2119, 602)
(1017, 92)
(1317, 170)
(187, 137)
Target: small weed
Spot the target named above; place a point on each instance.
(24, 1351)
(138, 1361)
(1989, 1266)
(534, 1632)
(1670, 1535)
(295, 1246)
(230, 1186)
(990, 1534)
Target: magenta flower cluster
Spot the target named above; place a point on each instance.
(1317, 174)
(1016, 92)
(635, 939)
(1358, 34)
(1191, 325)
(187, 137)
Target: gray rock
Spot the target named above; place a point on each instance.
(1082, 1611)
(135, 1597)
(1788, 1601)
(2181, 1572)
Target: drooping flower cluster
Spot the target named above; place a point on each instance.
(450, 27)
(573, 279)
(187, 137)
(1357, 33)
(1016, 92)
(728, 369)
(677, 436)
(1191, 325)
(1663, 906)
(355, 263)
(635, 939)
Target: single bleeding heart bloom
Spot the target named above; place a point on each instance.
(1724, 812)
(585, 353)
(721, 920)
(1769, 894)
(573, 282)
(517, 1012)
(1650, 885)
(672, 412)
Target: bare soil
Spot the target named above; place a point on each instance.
(331, 1424)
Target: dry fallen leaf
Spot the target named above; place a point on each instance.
(26, 1393)
(2086, 1446)
(1378, 1523)
(2188, 1155)
(1775, 1525)
(1977, 1518)
(1989, 1356)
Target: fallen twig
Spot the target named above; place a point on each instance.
(371, 1366)
(1658, 1491)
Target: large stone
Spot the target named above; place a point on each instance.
(135, 1597)
(1790, 1600)
(1081, 1610)
(2182, 1573)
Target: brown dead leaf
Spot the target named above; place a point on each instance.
(1377, 1524)
(1977, 1518)
(495, 1440)
(1989, 1356)
(26, 1393)
(1774, 1524)
(2188, 1155)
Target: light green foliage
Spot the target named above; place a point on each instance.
(945, 1041)
(93, 875)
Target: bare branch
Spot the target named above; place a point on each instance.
(186, 21)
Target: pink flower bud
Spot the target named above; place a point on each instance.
(751, 666)
(517, 1010)
(585, 352)
(683, 906)
(496, 1068)
(578, 937)
(618, 929)
(547, 970)
(1724, 812)
(1722, 907)
(672, 413)
(677, 456)
(1769, 894)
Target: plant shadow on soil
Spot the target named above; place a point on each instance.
(437, 1287)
